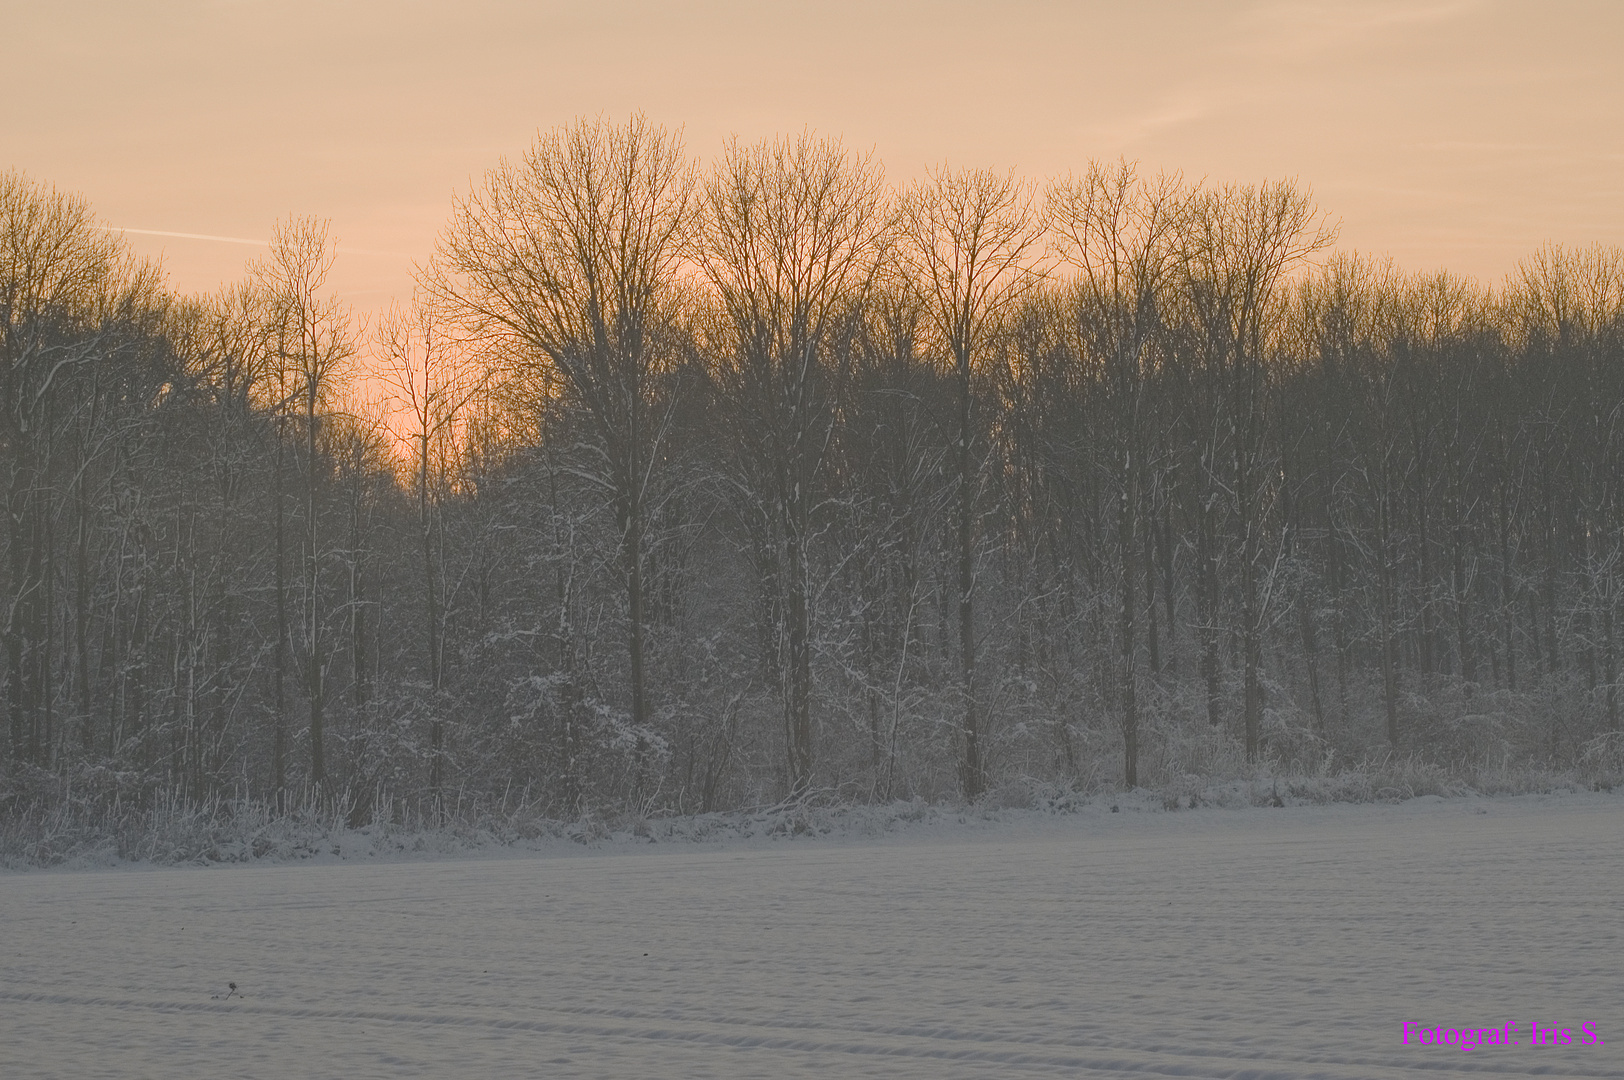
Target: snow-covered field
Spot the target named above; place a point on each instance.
(1216, 943)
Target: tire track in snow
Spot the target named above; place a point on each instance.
(1107, 1060)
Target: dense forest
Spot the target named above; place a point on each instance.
(684, 489)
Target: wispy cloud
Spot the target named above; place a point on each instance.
(1137, 127)
(1306, 26)
(1467, 147)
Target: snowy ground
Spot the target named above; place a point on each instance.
(1216, 943)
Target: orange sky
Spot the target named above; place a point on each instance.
(1447, 133)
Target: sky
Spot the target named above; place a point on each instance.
(1458, 134)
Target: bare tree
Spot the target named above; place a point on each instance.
(1242, 241)
(791, 238)
(1121, 235)
(564, 262)
(313, 337)
(65, 282)
(971, 237)
(1566, 309)
(431, 388)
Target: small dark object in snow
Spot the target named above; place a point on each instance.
(1113, 809)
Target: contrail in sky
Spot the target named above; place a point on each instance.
(242, 240)
(189, 236)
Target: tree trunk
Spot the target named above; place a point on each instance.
(431, 616)
(971, 780)
(279, 731)
(318, 700)
(1127, 550)
(1207, 611)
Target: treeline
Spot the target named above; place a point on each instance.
(687, 490)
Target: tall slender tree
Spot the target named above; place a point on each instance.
(430, 389)
(313, 335)
(1121, 235)
(565, 262)
(973, 239)
(1242, 241)
(790, 239)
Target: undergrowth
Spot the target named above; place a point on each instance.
(94, 818)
